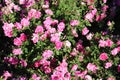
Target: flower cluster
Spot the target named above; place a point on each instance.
(59, 40)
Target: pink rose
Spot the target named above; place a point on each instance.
(74, 22)
(17, 41)
(35, 77)
(92, 67)
(6, 75)
(58, 45)
(85, 31)
(18, 25)
(55, 37)
(37, 15)
(108, 64)
(31, 13)
(103, 56)
(109, 43)
(23, 37)
(88, 77)
(118, 42)
(22, 1)
(111, 78)
(104, 1)
(74, 67)
(114, 51)
(67, 43)
(17, 51)
(8, 29)
(49, 11)
(89, 36)
(102, 43)
(89, 2)
(23, 63)
(25, 22)
(39, 29)
(61, 26)
(74, 33)
(47, 53)
(35, 38)
(13, 61)
(118, 68)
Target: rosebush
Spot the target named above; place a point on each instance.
(59, 40)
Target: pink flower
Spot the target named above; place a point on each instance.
(89, 36)
(109, 43)
(57, 76)
(102, 43)
(104, 1)
(31, 13)
(111, 78)
(67, 43)
(47, 53)
(22, 1)
(58, 45)
(103, 56)
(54, 22)
(61, 26)
(17, 51)
(16, 8)
(18, 25)
(37, 15)
(25, 22)
(23, 37)
(45, 6)
(89, 16)
(39, 29)
(49, 11)
(43, 37)
(89, 2)
(81, 58)
(74, 33)
(47, 69)
(88, 77)
(6, 75)
(55, 37)
(17, 41)
(52, 30)
(35, 38)
(13, 60)
(74, 52)
(104, 8)
(35, 77)
(118, 42)
(30, 3)
(23, 63)
(8, 29)
(48, 21)
(74, 22)
(114, 51)
(36, 64)
(74, 67)
(108, 64)
(85, 31)
(81, 74)
(118, 68)
(92, 67)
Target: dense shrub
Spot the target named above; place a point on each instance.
(59, 40)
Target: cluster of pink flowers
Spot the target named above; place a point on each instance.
(103, 43)
(19, 40)
(61, 72)
(58, 54)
